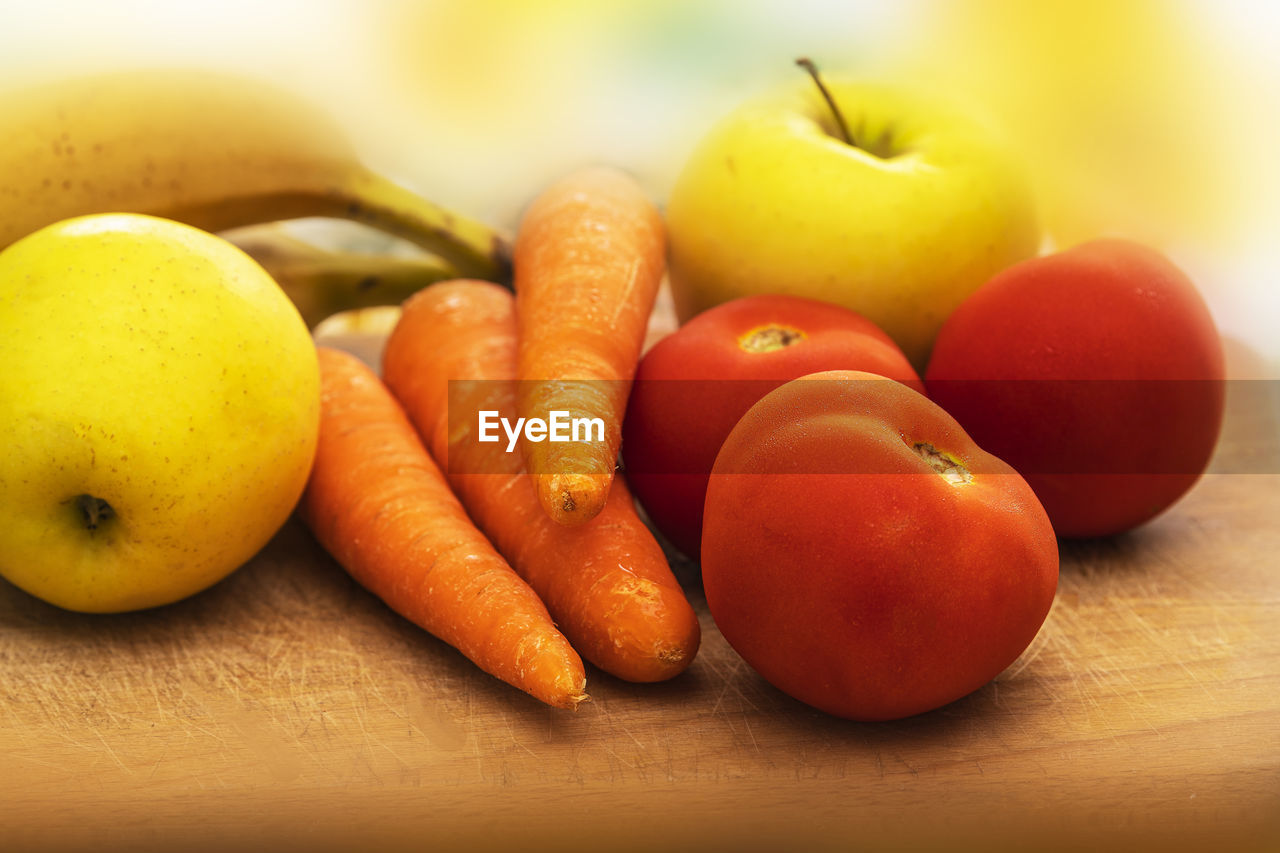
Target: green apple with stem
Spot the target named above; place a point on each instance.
(876, 198)
(159, 410)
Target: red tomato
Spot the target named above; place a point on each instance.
(1097, 373)
(865, 556)
(726, 359)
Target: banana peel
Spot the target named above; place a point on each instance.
(213, 150)
(324, 282)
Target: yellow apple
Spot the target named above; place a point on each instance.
(159, 408)
(900, 225)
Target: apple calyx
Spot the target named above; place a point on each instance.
(950, 469)
(770, 338)
(93, 511)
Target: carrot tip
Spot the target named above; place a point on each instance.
(675, 655)
(573, 499)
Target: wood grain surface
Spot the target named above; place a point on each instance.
(287, 708)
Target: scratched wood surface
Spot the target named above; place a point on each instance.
(288, 708)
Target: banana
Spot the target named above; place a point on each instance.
(374, 322)
(213, 150)
(362, 332)
(323, 282)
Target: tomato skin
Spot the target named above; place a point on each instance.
(1096, 372)
(850, 573)
(693, 386)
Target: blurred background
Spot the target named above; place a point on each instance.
(1153, 119)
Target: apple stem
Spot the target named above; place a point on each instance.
(93, 510)
(807, 64)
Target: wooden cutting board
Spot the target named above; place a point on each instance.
(287, 708)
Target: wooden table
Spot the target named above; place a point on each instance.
(288, 708)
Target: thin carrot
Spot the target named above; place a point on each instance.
(589, 256)
(382, 508)
(607, 583)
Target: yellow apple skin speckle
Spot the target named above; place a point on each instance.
(158, 369)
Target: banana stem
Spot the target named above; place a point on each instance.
(475, 250)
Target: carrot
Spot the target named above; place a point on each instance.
(382, 508)
(607, 582)
(589, 256)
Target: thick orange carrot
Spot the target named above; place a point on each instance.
(607, 583)
(382, 508)
(589, 256)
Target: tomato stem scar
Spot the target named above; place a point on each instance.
(950, 469)
(770, 338)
